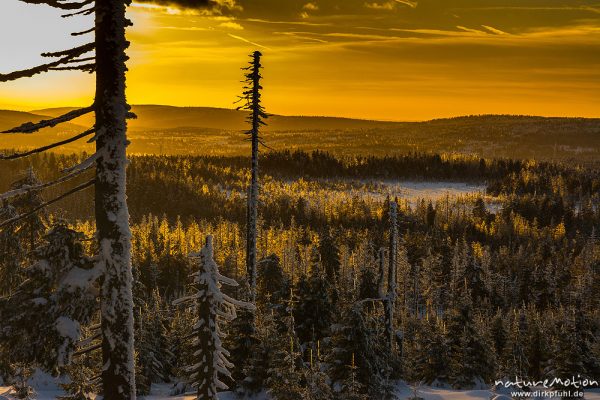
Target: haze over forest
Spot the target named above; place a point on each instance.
(214, 131)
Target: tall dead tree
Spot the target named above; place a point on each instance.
(112, 218)
(252, 98)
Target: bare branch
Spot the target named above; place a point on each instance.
(30, 127)
(87, 350)
(87, 341)
(47, 147)
(83, 32)
(74, 52)
(86, 11)
(84, 164)
(61, 4)
(84, 67)
(78, 60)
(69, 55)
(70, 175)
(46, 204)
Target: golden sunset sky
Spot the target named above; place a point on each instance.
(376, 59)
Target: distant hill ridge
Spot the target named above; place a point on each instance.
(159, 117)
(218, 131)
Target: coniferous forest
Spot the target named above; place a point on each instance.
(285, 274)
(498, 283)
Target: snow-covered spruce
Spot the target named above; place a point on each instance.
(42, 319)
(213, 307)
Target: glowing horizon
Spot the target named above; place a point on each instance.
(386, 60)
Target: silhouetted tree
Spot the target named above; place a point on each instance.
(252, 96)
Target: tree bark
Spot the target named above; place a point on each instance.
(112, 215)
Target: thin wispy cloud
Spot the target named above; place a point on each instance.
(494, 30)
(411, 4)
(247, 41)
(461, 45)
(476, 31)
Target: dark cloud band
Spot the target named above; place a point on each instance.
(202, 4)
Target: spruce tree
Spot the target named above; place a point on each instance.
(285, 373)
(514, 358)
(470, 361)
(330, 255)
(317, 385)
(212, 307)
(22, 389)
(315, 307)
(355, 336)
(351, 388)
(44, 317)
(151, 345)
(80, 386)
(11, 252)
(33, 227)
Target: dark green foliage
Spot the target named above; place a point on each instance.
(11, 252)
(80, 387)
(355, 340)
(485, 290)
(21, 387)
(42, 320)
(271, 281)
(330, 257)
(152, 347)
(314, 312)
(285, 374)
(33, 227)
(470, 358)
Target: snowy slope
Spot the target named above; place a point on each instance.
(47, 389)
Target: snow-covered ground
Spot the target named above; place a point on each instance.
(412, 192)
(47, 389)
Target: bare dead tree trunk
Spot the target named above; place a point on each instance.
(112, 215)
(253, 78)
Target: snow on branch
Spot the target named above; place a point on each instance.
(61, 4)
(66, 55)
(71, 53)
(84, 67)
(87, 163)
(46, 204)
(213, 307)
(47, 147)
(30, 127)
(36, 188)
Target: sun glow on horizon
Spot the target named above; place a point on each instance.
(389, 61)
